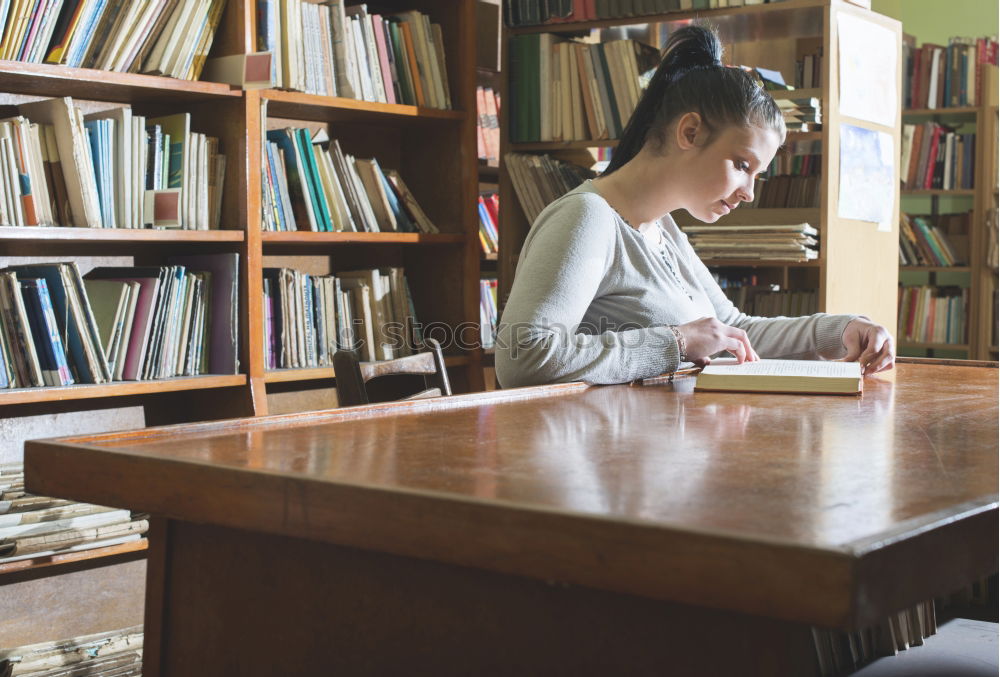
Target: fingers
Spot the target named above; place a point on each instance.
(881, 360)
(739, 345)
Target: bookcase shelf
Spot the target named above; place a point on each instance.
(938, 192)
(561, 145)
(953, 110)
(933, 346)
(64, 559)
(86, 83)
(311, 239)
(319, 373)
(301, 106)
(758, 263)
(125, 235)
(118, 389)
(935, 269)
(746, 14)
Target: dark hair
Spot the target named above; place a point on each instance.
(691, 78)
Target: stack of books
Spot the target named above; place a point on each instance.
(309, 183)
(567, 90)
(933, 314)
(109, 169)
(307, 318)
(488, 125)
(939, 76)
(489, 218)
(108, 654)
(540, 179)
(159, 38)
(333, 50)
(488, 311)
(58, 328)
(39, 526)
(934, 156)
(922, 243)
(533, 12)
(801, 115)
(776, 243)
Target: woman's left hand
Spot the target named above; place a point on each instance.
(870, 344)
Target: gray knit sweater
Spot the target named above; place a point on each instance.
(592, 299)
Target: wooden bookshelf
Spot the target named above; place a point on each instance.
(434, 150)
(758, 263)
(933, 346)
(850, 274)
(981, 280)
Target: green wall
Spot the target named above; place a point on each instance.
(937, 20)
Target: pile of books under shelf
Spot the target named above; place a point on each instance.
(775, 243)
(108, 169)
(108, 654)
(309, 183)
(39, 526)
(333, 50)
(489, 217)
(922, 243)
(533, 12)
(540, 179)
(939, 76)
(564, 90)
(801, 115)
(488, 125)
(158, 38)
(488, 311)
(58, 328)
(933, 314)
(307, 318)
(934, 156)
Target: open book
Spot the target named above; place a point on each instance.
(782, 376)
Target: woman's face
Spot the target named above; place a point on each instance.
(722, 172)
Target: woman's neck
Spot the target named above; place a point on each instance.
(642, 190)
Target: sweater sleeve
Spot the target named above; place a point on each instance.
(566, 261)
(817, 336)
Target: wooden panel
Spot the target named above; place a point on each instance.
(744, 503)
(346, 611)
(95, 596)
(118, 389)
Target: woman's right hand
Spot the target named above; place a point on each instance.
(707, 336)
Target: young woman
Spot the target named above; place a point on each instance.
(608, 289)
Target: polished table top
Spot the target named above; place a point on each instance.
(800, 507)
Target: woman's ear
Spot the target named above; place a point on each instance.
(690, 131)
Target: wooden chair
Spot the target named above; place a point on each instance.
(353, 375)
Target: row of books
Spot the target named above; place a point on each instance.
(796, 158)
(38, 526)
(117, 653)
(113, 324)
(943, 76)
(488, 125)
(108, 169)
(767, 300)
(786, 191)
(310, 183)
(533, 12)
(540, 179)
(839, 652)
(489, 312)
(308, 318)
(489, 219)
(568, 90)
(767, 242)
(809, 70)
(335, 50)
(160, 38)
(929, 314)
(922, 243)
(934, 156)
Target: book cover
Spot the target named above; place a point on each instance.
(782, 376)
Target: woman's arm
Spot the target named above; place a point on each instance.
(564, 265)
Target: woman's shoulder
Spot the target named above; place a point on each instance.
(581, 210)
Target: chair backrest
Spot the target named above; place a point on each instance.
(353, 375)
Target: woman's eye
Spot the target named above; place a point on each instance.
(743, 166)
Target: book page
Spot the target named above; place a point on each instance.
(797, 368)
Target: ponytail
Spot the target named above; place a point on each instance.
(692, 78)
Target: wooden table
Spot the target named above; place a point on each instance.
(553, 530)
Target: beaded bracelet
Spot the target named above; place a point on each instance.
(681, 343)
